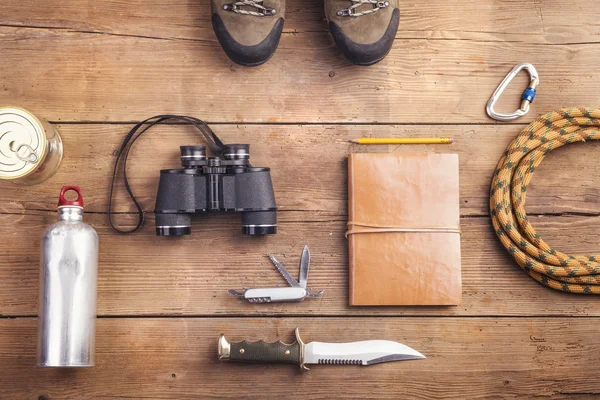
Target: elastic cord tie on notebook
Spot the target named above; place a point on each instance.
(384, 229)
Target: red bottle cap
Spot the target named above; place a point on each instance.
(78, 202)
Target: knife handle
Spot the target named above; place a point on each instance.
(262, 352)
(275, 295)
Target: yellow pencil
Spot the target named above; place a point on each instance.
(440, 140)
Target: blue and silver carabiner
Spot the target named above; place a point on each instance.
(526, 98)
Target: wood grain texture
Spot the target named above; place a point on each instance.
(114, 66)
(308, 166)
(164, 301)
(143, 274)
(510, 20)
(474, 358)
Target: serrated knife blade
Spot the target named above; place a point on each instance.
(367, 352)
(286, 275)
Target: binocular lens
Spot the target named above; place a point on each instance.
(259, 230)
(237, 152)
(259, 223)
(172, 231)
(173, 224)
(190, 155)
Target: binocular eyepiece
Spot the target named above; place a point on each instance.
(195, 156)
(215, 184)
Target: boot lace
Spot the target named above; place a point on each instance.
(259, 9)
(352, 11)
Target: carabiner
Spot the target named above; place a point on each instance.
(526, 98)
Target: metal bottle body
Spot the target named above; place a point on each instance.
(68, 292)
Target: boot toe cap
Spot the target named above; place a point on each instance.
(366, 54)
(247, 55)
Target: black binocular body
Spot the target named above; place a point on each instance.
(215, 184)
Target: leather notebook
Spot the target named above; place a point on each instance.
(403, 229)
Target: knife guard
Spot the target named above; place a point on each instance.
(263, 352)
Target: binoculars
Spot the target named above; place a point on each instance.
(215, 184)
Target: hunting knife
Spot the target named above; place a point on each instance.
(367, 352)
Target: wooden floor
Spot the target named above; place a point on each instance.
(95, 67)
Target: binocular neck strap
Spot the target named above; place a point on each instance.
(213, 141)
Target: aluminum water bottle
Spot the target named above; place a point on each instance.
(68, 288)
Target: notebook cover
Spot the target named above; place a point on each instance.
(404, 268)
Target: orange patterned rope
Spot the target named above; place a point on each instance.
(550, 267)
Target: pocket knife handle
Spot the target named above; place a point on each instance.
(275, 295)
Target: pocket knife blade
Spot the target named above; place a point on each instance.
(304, 264)
(286, 275)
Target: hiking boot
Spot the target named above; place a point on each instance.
(363, 30)
(248, 30)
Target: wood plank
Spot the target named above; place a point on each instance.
(111, 77)
(143, 274)
(117, 61)
(510, 20)
(565, 182)
(482, 358)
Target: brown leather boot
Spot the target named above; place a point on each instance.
(248, 30)
(363, 30)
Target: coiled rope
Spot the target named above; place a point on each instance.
(550, 267)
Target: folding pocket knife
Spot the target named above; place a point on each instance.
(296, 292)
